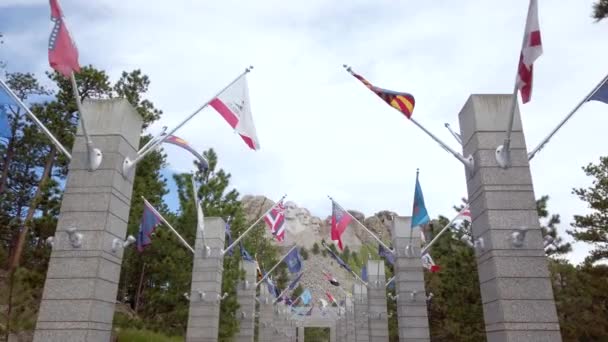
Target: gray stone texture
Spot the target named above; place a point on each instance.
(246, 299)
(266, 316)
(204, 313)
(360, 308)
(376, 301)
(409, 282)
(516, 291)
(350, 319)
(81, 283)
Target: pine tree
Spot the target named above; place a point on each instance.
(600, 10)
(557, 246)
(593, 228)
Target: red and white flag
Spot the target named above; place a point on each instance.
(330, 297)
(233, 104)
(275, 219)
(531, 50)
(63, 54)
(465, 214)
(428, 263)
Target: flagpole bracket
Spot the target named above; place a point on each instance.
(95, 158)
(503, 156)
(127, 167)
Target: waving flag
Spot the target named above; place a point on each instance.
(337, 258)
(177, 141)
(275, 219)
(294, 264)
(294, 282)
(149, 221)
(330, 297)
(601, 94)
(5, 101)
(419, 214)
(531, 49)
(234, 106)
(339, 221)
(306, 296)
(428, 263)
(244, 254)
(386, 254)
(63, 54)
(331, 279)
(465, 215)
(403, 102)
(364, 273)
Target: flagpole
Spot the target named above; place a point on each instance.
(169, 225)
(36, 121)
(426, 248)
(468, 162)
(252, 226)
(276, 265)
(390, 281)
(351, 271)
(128, 164)
(94, 155)
(362, 225)
(576, 108)
(197, 204)
(286, 289)
(152, 140)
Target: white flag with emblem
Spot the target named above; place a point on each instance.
(233, 104)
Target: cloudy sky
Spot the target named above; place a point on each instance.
(321, 131)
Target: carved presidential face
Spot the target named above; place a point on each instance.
(291, 210)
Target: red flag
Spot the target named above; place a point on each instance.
(339, 221)
(531, 50)
(63, 54)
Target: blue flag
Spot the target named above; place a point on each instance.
(419, 214)
(364, 273)
(386, 254)
(294, 282)
(5, 101)
(338, 259)
(601, 94)
(244, 254)
(306, 296)
(294, 264)
(149, 221)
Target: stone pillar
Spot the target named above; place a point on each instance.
(409, 282)
(246, 299)
(360, 307)
(350, 320)
(376, 299)
(82, 280)
(516, 291)
(206, 287)
(301, 334)
(266, 316)
(341, 333)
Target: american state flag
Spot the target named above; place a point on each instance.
(402, 101)
(275, 219)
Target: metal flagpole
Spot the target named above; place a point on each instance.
(128, 164)
(276, 265)
(546, 140)
(36, 121)
(200, 221)
(145, 147)
(251, 227)
(362, 225)
(390, 281)
(169, 225)
(426, 248)
(351, 271)
(468, 162)
(454, 134)
(93, 154)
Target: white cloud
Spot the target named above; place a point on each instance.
(321, 131)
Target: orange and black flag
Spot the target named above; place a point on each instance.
(403, 102)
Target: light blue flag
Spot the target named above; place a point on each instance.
(5, 101)
(306, 296)
(419, 214)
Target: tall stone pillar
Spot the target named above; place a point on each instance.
(361, 311)
(206, 287)
(266, 316)
(350, 319)
(341, 327)
(300, 334)
(246, 299)
(82, 278)
(516, 291)
(409, 282)
(376, 301)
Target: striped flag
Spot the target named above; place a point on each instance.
(531, 49)
(177, 141)
(465, 215)
(149, 221)
(275, 219)
(339, 221)
(403, 102)
(63, 54)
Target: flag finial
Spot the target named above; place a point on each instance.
(417, 171)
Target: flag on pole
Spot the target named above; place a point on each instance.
(403, 102)
(234, 106)
(331, 279)
(244, 254)
(419, 214)
(294, 282)
(386, 254)
(339, 221)
(63, 54)
(293, 261)
(149, 221)
(601, 94)
(465, 215)
(364, 272)
(330, 297)
(306, 296)
(177, 141)
(428, 263)
(275, 219)
(531, 49)
(5, 101)
(337, 258)
(323, 303)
